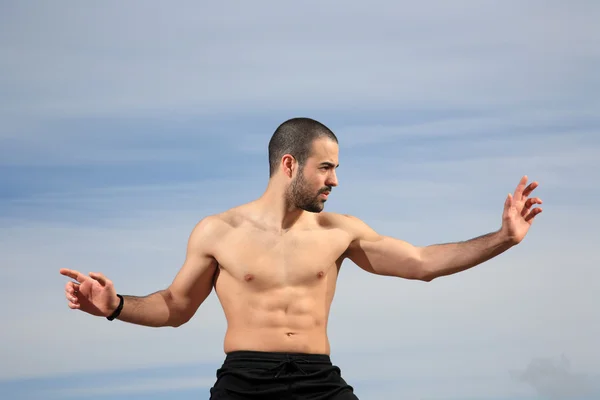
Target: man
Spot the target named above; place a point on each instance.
(274, 263)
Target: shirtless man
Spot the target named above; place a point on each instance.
(274, 263)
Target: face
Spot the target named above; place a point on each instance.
(312, 184)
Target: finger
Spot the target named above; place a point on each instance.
(99, 277)
(529, 203)
(529, 189)
(73, 306)
(72, 297)
(78, 276)
(520, 188)
(536, 211)
(508, 202)
(72, 287)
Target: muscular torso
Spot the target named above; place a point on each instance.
(276, 288)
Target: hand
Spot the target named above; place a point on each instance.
(518, 213)
(94, 294)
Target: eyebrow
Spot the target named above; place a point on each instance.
(329, 164)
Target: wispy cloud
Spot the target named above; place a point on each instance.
(214, 59)
(554, 379)
(541, 124)
(138, 386)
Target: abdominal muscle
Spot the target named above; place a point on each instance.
(285, 319)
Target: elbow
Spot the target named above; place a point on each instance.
(177, 312)
(421, 268)
(176, 323)
(426, 274)
(178, 318)
(427, 266)
(426, 277)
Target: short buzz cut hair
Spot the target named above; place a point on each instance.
(295, 137)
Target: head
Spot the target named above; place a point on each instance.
(303, 156)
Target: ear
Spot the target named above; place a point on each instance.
(288, 165)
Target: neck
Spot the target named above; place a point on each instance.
(276, 210)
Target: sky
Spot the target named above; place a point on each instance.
(124, 124)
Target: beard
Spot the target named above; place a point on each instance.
(300, 196)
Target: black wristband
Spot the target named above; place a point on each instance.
(116, 313)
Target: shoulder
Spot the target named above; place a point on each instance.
(352, 225)
(216, 226)
(336, 220)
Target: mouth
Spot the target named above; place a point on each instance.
(325, 195)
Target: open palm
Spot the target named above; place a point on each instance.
(519, 211)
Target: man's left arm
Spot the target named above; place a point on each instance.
(450, 258)
(388, 256)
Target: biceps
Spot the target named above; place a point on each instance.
(387, 256)
(193, 283)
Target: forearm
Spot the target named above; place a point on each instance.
(446, 259)
(154, 310)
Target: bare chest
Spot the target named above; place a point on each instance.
(271, 260)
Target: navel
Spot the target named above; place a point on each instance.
(248, 277)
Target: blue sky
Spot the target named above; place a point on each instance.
(122, 125)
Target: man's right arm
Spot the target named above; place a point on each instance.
(176, 304)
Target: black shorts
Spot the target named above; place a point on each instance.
(250, 375)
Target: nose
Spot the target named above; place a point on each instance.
(332, 179)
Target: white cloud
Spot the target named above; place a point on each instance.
(554, 379)
(464, 128)
(138, 386)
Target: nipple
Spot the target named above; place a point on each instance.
(320, 274)
(248, 277)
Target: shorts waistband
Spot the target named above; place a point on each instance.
(269, 356)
